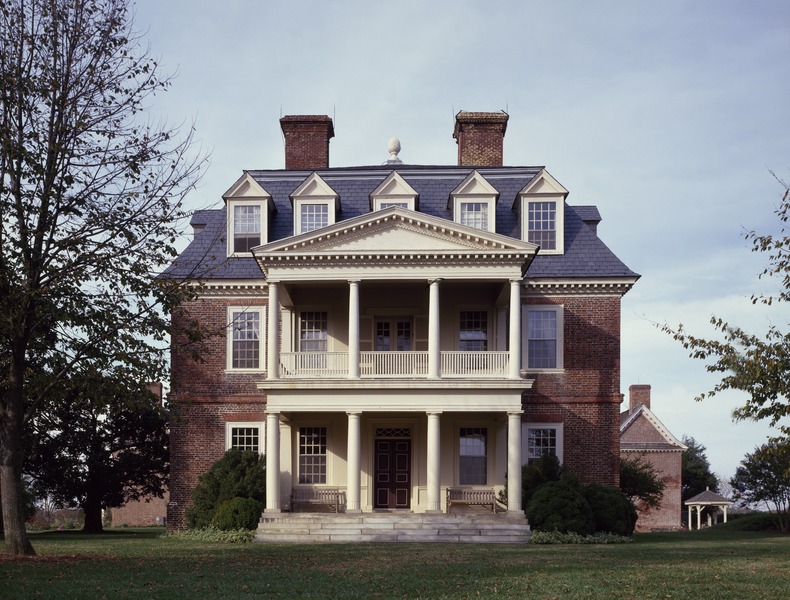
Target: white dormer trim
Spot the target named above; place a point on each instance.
(475, 191)
(314, 191)
(543, 192)
(393, 191)
(247, 192)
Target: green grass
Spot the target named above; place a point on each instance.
(136, 563)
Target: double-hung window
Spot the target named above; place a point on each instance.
(542, 224)
(313, 216)
(542, 438)
(473, 459)
(473, 331)
(246, 226)
(312, 455)
(475, 214)
(245, 338)
(313, 331)
(544, 337)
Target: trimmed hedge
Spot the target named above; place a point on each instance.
(237, 513)
(612, 511)
(561, 506)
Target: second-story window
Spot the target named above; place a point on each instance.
(544, 337)
(313, 331)
(245, 338)
(473, 331)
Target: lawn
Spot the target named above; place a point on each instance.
(137, 563)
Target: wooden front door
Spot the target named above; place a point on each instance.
(393, 474)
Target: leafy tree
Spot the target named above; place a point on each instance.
(640, 482)
(764, 476)
(238, 474)
(99, 444)
(695, 470)
(90, 206)
(756, 364)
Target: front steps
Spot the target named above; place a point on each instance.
(462, 527)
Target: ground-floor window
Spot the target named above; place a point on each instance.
(245, 436)
(543, 438)
(312, 455)
(473, 461)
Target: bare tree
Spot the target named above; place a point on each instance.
(91, 204)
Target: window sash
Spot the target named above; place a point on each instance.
(246, 227)
(540, 441)
(313, 216)
(312, 455)
(542, 224)
(473, 336)
(474, 214)
(313, 331)
(246, 339)
(245, 438)
(542, 339)
(473, 456)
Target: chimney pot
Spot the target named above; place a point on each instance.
(480, 137)
(638, 394)
(307, 141)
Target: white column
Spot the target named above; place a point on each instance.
(434, 348)
(515, 329)
(699, 517)
(353, 329)
(725, 513)
(272, 462)
(514, 461)
(434, 464)
(353, 464)
(273, 337)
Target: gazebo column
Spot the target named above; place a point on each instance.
(434, 349)
(272, 462)
(699, 517)
(691, 524)
(515, 329)
(514, 461)
(353, 464)
(434, 464)
(273, 337)
(353, 329)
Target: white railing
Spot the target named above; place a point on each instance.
(475, 364)
(314, 364)
(393, 364)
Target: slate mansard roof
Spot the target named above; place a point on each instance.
(586, 256)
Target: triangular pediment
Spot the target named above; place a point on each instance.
(396, 230)
(314, 188)
(544, 183)
(246, 188)
(475, 185)
(660, 431)
(394, 186)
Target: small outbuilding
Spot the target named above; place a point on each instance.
(711, 503)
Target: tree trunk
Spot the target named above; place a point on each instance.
(11, 457)
(92, 509)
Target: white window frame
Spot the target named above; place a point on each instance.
(260, 426)
(488, 446)
(559, 222)
(560, 439)
(486, 200)
(559, 309)
(263, 206)
(262, 313)
(299, 203)
(488, 330)
(407, 203)
(326, 454)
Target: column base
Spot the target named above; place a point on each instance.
(269, 511)
(516, 512)
(433, 511)
(353, 511)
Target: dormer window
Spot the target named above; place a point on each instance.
(248, 206)
(393, 191)
(315, 205)
(541, 206)
(474, 203)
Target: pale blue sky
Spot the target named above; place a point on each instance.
(666, 115)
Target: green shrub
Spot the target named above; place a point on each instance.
(237, 474)
(210, 534)
(533, 475)
(612, 510)
(237, 513)
(561, 506)
(555, 537)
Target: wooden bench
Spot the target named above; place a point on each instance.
(470, 497)
(323, 496)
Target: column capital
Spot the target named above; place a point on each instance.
(513, 413)
(351, 281)
(353, 413)
(436, 280)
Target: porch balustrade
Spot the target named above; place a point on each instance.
(320, 365)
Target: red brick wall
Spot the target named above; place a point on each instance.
(586, 395)
(669, 468)
(481, 138)
(203, 398)
(141, 513)
(307, 141)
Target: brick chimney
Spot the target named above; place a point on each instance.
(639, 394)
(480, 137)
(307, 141)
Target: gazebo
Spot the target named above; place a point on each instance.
(705, 499)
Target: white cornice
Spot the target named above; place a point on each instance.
(578, 287)
(233, 287)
